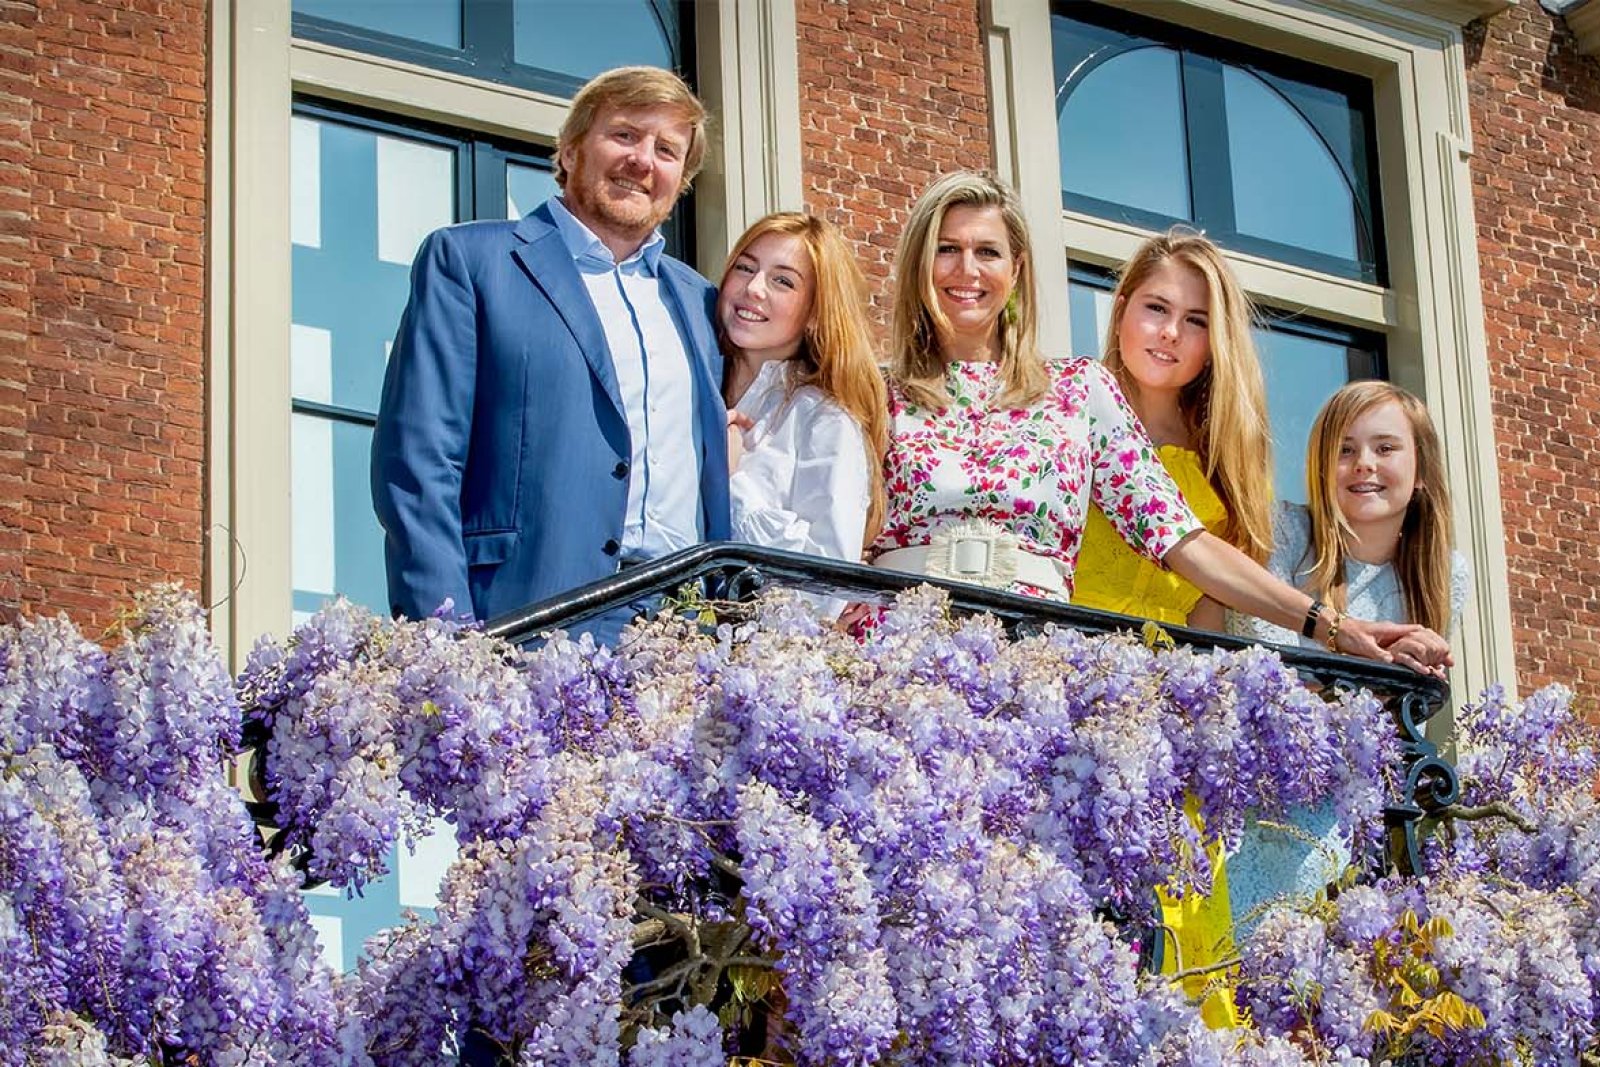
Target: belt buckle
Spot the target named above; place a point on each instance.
(975, 551)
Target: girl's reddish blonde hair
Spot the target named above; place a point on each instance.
(836, 352)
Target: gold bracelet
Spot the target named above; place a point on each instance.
(1335, 620)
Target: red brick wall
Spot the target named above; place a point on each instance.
(107, 266)
(893, 94)
(1535, 105)
(16, 281)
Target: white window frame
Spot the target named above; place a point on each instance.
(1431, 313)
(749, 78)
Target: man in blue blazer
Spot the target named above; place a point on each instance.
(551, 408)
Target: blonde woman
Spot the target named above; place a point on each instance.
(807, 413)
(995, 454)
(1179, 345)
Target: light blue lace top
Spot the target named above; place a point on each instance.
(1372, 589)
(1308, 849)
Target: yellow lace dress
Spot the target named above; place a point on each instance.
(1112, 577)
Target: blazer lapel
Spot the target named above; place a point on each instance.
(549, 265)
(688, 309)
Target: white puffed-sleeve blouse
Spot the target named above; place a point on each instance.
(803, 483)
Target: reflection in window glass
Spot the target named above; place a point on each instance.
(1301, 372)
(581, 38)
(527, 187)
(1280, 167)
(363, 201)
(436, 22)
(334, 529)
(1107, 155)
(377, 196)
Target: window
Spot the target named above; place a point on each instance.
(363, 195)
(1326, 146)
(548, 45)
(1267, 156)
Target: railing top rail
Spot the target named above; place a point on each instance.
(737, 570)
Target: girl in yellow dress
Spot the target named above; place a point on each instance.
(1179, 344)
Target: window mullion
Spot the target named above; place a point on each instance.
(1206, 126)
(487, 35)
(483, 182)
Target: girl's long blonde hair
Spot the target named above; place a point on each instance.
(836, 352)
(1422, 559)
(1225, 408)
(916, 362)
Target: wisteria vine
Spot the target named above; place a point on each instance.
(762, 838)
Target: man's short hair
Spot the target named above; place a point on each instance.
(635, 87)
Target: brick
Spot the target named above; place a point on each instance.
(866, 74)
(111, 128)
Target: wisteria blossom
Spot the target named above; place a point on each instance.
(139, 920)
(755, 837)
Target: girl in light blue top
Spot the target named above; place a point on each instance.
(1375, 542)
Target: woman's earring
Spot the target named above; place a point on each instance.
(1011, 309)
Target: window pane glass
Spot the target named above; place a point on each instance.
(527, 187)
(1089, 307)
(1287, 185)
(362, 202)
(581, 38)
(436, 22)
(1108, 155)
(1301, 373)
(336, 544)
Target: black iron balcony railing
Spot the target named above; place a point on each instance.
(733, 572)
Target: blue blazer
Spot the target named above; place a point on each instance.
(500, 458)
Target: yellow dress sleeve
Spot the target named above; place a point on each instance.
(1113, 577)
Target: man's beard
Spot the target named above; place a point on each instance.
(626, 215)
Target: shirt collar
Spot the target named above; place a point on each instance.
(591, 254)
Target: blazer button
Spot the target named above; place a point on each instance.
(611, 547)
(620, 470)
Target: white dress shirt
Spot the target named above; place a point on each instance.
(804, 483)
(652, 367)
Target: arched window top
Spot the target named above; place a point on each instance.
(1158, 126)
(1288, 185)
(550, 45)
(1148, 170)
(581, 38)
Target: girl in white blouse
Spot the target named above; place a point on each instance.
(807, 414)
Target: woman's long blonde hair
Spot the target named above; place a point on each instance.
(916, 362)
(1422, 559)
(836, 352)
(1225, 408)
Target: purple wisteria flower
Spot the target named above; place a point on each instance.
(914, 840)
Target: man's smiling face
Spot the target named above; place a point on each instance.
(625, 173)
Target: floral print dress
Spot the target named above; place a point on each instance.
(1033, 471)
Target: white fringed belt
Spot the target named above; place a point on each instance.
(978, 552)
